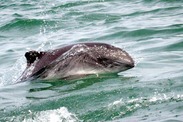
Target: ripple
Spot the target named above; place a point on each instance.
(123, 108)
(176, 46)
(21, 23)
(25, 27)
(76, 4)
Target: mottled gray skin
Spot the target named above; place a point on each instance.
(76, 60)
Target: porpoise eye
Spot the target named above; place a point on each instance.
(108, 62)
(103, 61)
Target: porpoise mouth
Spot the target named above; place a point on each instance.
(118, 66)
(128, 64)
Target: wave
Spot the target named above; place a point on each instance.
(176, 46)
(158, 32)
(26, 27)
(122, 108)
(58, 115)
(155, 11)
(24, 23)
(76, 3)
(153, 31)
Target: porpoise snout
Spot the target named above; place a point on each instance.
(125, 64)
(129, 65)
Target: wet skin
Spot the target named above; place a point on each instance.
(76, 60)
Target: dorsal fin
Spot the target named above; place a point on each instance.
(31, 56)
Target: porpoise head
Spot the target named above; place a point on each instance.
(113, 59)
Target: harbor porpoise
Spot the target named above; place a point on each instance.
(76, 60)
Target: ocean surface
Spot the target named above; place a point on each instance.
(151, 31)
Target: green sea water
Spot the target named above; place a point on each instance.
(151, 31)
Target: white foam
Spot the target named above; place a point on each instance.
(11, 75)
(59, 115)
(143, 101)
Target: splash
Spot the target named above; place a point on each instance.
(11, 75)
(59, 115)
